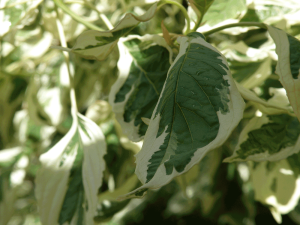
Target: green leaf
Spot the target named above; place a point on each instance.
(53, 182)
(288, 65)
(200, 6)
(275, 185)
(198, 108)
(143, 67)
(18, 14)
(270, 107)
(98, 44)
(269, 138)
(223, 10)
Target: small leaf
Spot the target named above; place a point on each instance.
(268, 107)
(269, 138)
(97, 45)
(200, 6)
(276, 186)
(198, 108)
(288, 65)
(143, 68)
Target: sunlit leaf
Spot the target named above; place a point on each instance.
(143, 67)
(221, 11)
(288, 65)
(200, 6)
(17, 13)
(269, 107)
(198, 108)
(276, 185)
(54, 180)
(269, 138)
(97, 45)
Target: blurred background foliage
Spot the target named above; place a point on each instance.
(35, 109)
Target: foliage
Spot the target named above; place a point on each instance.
(116, 112)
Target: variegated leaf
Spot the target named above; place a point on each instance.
(270, 107)
(97, 45)
(71, 172)
(198, 108)
(143, 68)
(277, 185)
(269, 138)
(288, 65)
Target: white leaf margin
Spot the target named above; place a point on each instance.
(124, 65)
(151, 144)
(291, 85)
(93, 164)
(253, 124)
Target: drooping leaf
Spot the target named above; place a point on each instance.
(94, 148)
(276, 185)
(143, 68)
(198, 108)
(269, 107)
(200, 6)
(97, 45)
(269, 138)
(288, 65)
(55, 182)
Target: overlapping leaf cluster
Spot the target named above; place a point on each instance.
(159, 104)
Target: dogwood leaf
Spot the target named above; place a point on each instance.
(200, 6)
(60, 173)
(269, 138)
(198, 108)
(275, 184)
(97, 45)
(288, 65)
(143, 68)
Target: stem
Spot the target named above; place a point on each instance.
(242, 24)
(89, 25)
(198, 22)
(63, 42)
(183, 10)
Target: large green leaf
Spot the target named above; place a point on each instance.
(198, 108)
(143, 67)
(269, 138)
(97, 45)
(288, 65)
(53, 182)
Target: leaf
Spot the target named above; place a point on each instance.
(143, 68)
(18, 14)
(288, 65)
(200, 6)
(97, 45)
(280, 189)
(55, 183)
(93, 163)
(224, 10)
(198, 108)
(268, 107)
(269, 138)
